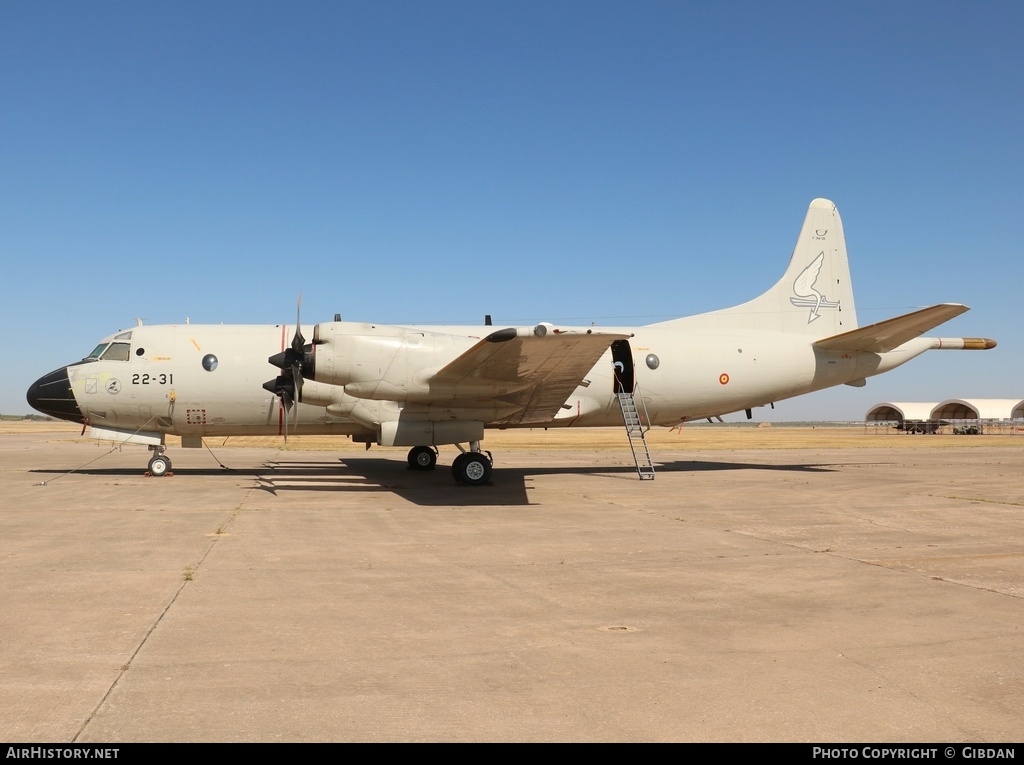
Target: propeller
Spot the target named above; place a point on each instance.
(295, 362)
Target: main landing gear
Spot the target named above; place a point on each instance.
(472, 468)
(159, 463)
(422, 458)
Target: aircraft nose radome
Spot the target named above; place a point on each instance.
(51, 394)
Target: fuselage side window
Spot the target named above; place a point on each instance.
(116, 352)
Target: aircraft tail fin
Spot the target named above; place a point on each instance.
(815, 295)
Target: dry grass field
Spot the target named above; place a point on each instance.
(28, 426)
(689, 438)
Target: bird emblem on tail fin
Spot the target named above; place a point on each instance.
(807, 295)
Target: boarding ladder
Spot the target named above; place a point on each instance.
(635, 431)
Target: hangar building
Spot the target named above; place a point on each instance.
(968, 416)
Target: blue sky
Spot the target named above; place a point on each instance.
(576, 162)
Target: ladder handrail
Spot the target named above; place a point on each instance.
(636, 390)
(635, 430)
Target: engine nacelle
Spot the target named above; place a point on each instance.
(321, 394)
(381, 362)
(402, 432)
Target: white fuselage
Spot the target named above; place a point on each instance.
(161, 384)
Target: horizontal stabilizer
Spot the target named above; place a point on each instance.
(892, 333)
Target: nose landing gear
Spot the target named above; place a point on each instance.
(159, 463)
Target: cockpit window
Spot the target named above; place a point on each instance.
(116, 352)
(112, 351)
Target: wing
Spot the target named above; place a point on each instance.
(533, 370)
(892, 333)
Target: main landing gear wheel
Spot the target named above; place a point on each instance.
(422, 458)
(472, 469)
(159, 466)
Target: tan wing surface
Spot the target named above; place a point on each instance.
(533, 372)
(892, 333)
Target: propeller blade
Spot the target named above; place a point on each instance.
(297, 339)
(285, 405)
(297, 379)
(297, 389)
(295, 355)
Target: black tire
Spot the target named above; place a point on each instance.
(159, 466)
(422, 458)
(472, 469)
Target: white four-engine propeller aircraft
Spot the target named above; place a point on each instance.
(423, 386)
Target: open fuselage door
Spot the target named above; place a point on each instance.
(624, 385)
(622, 362)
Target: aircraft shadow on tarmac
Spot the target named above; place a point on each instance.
(509, 485)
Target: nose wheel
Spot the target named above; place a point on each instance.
(159, 466)
(159, 463)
